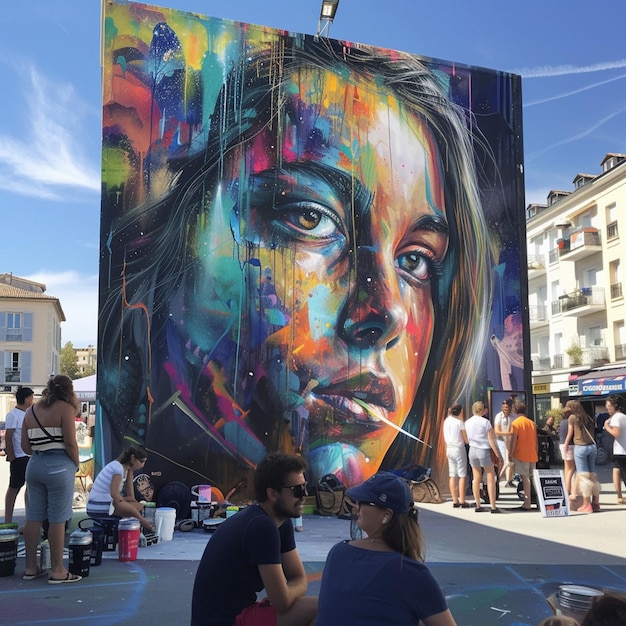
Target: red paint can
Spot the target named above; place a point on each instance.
(128, 538)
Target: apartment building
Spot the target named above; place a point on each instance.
(576, 255)
(86, 359)
(30, 337)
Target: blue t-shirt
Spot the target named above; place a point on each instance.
(363, 587)
(228, 577)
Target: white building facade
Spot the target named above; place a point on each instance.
(576, 255)
(30, 337)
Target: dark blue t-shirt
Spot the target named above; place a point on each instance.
(228, 578)
(364, 587)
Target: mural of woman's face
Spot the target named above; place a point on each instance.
(342, 202)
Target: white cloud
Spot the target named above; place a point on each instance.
(78, 294)
(50, 158)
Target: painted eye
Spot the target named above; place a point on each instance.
(310, 221)
(415, 264)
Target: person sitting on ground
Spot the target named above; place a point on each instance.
(112, 492)
(482, 441)
(382, 578)
(455, 439)
(524, 450)
(255, 549)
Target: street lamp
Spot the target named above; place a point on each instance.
(327, 15)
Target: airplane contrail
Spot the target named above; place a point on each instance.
(545, 71)
(572, 93)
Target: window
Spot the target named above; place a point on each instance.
(615, 271)
(17, 367)
(16, 326)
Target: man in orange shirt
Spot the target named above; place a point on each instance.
(524, 449)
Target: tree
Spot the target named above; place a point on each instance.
(69, 360)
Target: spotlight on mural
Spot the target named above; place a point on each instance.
(307, 245)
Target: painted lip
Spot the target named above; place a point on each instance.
(365, 398)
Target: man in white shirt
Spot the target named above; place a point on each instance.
(616, 427)
(502, 430)
(14, 453)
(456, 439)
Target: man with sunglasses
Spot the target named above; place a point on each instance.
(255, 550)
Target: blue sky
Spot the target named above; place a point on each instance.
(571, 56)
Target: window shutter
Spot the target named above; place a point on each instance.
(25, 366)
(27, 327)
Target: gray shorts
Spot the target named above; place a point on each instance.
(523, 468)
(480, 457)
(50, 477)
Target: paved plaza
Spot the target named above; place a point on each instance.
(494, 569)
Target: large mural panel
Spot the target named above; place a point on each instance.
(307, 245)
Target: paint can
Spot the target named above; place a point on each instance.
(231, 510)
(8, 549)
(79, 548)
(165, 520)
(128, 533)
(97, 546)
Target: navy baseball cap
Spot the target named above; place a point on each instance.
(385, 490)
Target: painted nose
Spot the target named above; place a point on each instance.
(374, 314)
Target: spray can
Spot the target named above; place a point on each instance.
(45, 562)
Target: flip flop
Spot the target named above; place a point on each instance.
(33, 576)
(70, 578)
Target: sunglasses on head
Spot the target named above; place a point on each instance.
(298, 491)
(362, 503)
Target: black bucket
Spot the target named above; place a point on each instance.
(8, 549)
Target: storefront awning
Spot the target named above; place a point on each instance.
(598, 383)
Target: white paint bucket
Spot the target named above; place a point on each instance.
(165, 520)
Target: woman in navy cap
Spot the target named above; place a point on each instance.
(382, 579)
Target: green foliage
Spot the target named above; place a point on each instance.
(69, 360)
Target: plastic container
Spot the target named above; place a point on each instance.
(165, 520)
(8, 549)
(231, 510)
(128, 533)
(97, 546)
(149, 511)
(79, 547)
(45, 560)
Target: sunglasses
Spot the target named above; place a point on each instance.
(360, 504)
(298, 491)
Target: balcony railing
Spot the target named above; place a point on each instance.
(616, 291)
(541, 364)
(580, 244)
(596, 355)
(14, 334)
(611, 230)
(585, 296)
(557, 362)
(620, 351)
(12, 375)
(536, 262)
(537, 313)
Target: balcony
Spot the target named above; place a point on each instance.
(557, 362)
(616, 291)
(595, 356)
(536, 266)
(580, 244)
(537, 316)
(12, 375)
(541, 364)
(582, 302)
(13, 334)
